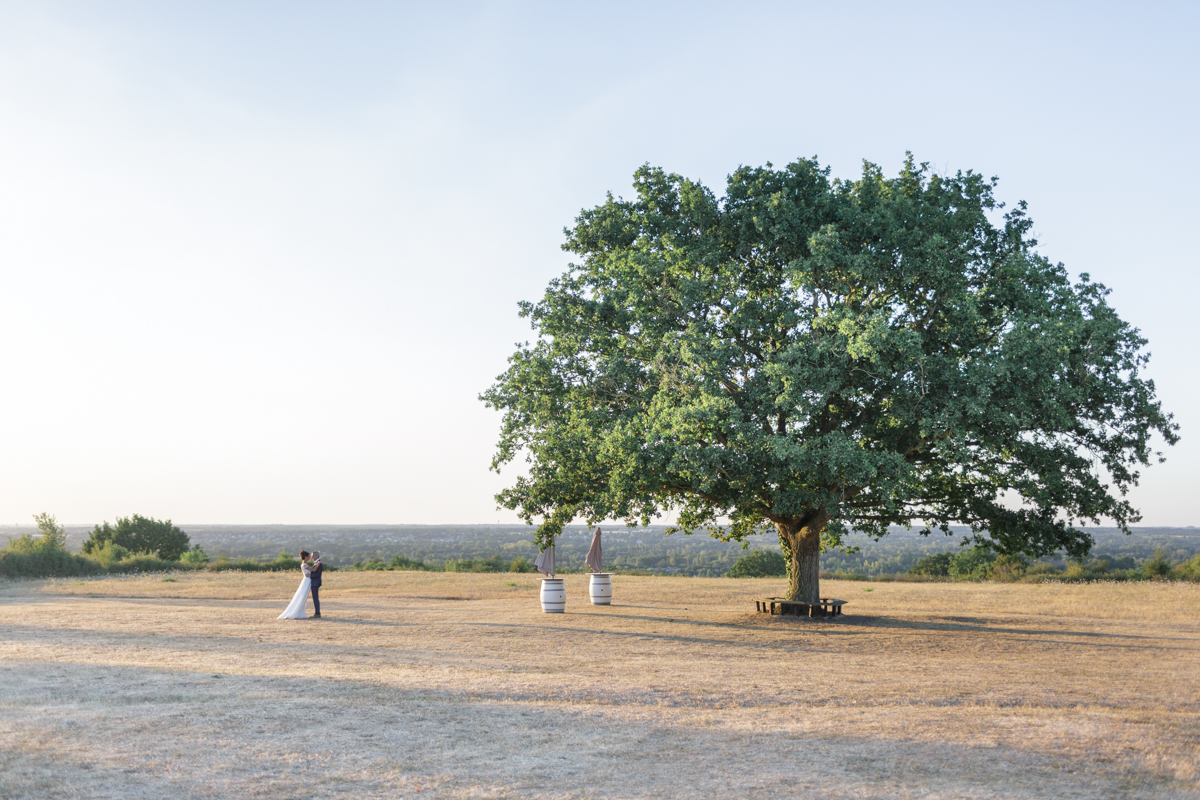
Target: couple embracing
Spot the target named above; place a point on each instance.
(311, 567)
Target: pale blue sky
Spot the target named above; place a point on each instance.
(258, 262)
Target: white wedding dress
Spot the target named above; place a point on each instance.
(295, 609)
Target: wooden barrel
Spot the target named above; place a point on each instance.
(601, 589)
(554, 596)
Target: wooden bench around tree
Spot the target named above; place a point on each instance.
(827, 607)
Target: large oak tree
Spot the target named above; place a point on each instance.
(818, 356)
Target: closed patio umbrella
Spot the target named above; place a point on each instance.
(554, 594)
(600, 587)
(545, 562)
(595, 559)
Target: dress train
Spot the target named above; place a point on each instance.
(295, 609)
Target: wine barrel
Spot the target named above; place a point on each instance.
(601, 589)
(554, 596)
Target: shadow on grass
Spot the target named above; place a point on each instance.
(858, 624)
(227, 734)
(788, 646)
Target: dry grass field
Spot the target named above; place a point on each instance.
(456, 685)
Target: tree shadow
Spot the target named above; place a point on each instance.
(234, 728)
(859, 624)
(788, 646)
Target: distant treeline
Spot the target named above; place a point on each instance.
(968, 564)
(645, 550)
(493, 564)
(140, 544)
(650, 551)
(901, 551)
(981, 564)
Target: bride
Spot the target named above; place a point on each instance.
(295, 609)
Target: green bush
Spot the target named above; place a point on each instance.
(1189, 570)
(1040, 569)
(143, 562)
(759, 564)
(1084, 571)
(520, 564)
(1008, 568)
(117, 560)
(108, 554)
(58, 563)
(140, 534)
(282, 563)
(971, 565)
(402, 562)
(43, 555)
(1157, 566)
(933, 566)
(195, 556)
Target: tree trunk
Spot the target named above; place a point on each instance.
(801, 540)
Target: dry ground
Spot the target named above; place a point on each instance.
(451, 685)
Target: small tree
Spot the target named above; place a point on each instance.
(1189, 570)
(53, 535)
(51, 538)
(1157, 566)
(140, 534)
(108, 554)
(819, 356)
(195, 556)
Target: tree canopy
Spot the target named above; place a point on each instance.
(824, 355)
(140, 534)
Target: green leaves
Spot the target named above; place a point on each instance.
(879, 350)
(140, 534)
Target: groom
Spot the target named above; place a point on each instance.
(315, 586)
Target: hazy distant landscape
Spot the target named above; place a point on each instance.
(647, 550)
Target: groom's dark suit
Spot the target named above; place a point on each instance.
(315, 586)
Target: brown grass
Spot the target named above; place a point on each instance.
(456, 685)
